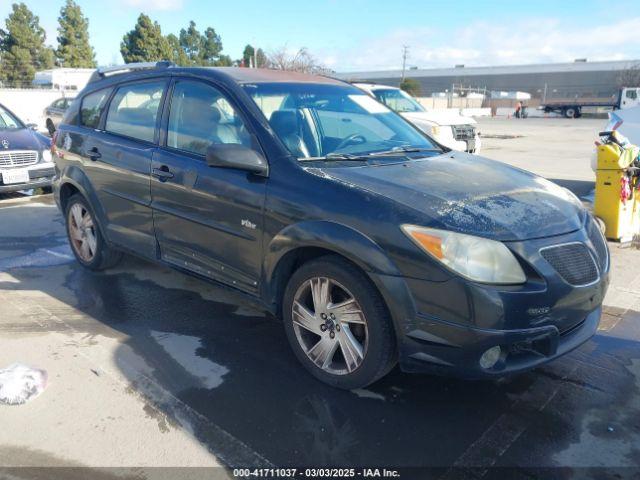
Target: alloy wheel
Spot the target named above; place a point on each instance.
(330, 325)
(82, 232)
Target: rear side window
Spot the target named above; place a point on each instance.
(92, 107)
(133, 112)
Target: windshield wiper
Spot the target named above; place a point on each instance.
(404, 149)
(349, 157)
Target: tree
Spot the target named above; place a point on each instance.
(223, 61)
(252, 57)
(74, 49)
(411, 86)
(629, 77)
(202, 49)
(261, 59)
(145, 43)
(247, 56)
(177, 54)
(212, 49)
(22, 47)
(191, 43)
(301, 61)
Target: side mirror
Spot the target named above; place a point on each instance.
(233, 155)
(32, 126)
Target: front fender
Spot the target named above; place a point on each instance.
(336, 237)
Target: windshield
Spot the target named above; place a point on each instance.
(398, 100)
(316, 120)
(8, 120)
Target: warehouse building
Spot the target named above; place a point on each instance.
(580, 79)
(63, 78)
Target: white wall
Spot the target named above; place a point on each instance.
(28, 103)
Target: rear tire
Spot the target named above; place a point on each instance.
(337, 323)
(85, 237)
(570, 112)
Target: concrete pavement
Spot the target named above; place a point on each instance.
(555, 148)
(149, 367)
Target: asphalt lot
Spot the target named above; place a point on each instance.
(149, 367)
(555, 148)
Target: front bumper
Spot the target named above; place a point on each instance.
(40, 176)
(470, 146)
(438, 347)
(445, 326)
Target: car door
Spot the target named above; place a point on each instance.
(118, 158)
(207, 219)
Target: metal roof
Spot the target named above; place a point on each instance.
(497, 70)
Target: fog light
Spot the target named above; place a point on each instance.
(490, 357)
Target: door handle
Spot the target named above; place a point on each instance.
(163, 174)
(94, 154)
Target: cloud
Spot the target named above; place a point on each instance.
(153, 5)
(485, 43)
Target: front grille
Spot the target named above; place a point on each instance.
(600, 247)
(18, 158)
(573, 262)
(463, 132)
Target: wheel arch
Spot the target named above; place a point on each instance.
(73, 180)
(300, 243)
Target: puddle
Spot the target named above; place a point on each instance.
(184, 350)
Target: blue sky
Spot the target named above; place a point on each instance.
(353, 35)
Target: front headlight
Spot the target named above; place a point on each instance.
(46, 156)
(475, 258)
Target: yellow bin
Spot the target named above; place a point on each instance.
(618, 217)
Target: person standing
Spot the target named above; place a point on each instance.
(518, 109)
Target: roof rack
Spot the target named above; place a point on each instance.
(103, 72)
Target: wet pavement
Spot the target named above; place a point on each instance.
(202, 371)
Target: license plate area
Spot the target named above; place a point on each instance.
(15, 175)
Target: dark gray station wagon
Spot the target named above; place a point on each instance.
(372, 242)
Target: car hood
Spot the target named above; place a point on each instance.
(439, 118)
(472, 195)
(22, 139)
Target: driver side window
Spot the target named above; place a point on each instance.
(200, 116)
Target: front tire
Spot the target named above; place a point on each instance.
(85, 237)
(337, 324)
